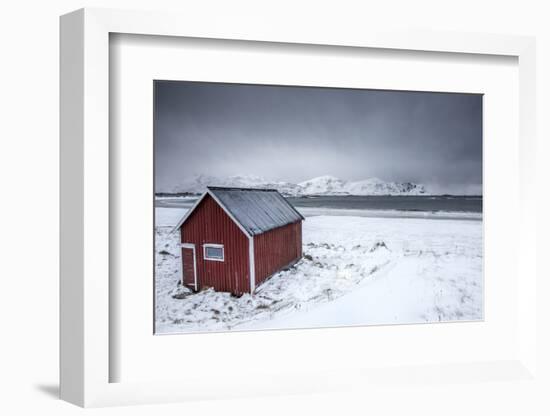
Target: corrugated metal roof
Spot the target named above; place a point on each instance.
(257, 210)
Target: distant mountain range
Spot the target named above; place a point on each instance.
(322, 185)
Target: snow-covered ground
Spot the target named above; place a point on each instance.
(356, 270)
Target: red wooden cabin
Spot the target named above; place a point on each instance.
(233, 239)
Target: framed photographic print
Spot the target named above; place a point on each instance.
(263, 211)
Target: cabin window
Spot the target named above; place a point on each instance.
(213, 252)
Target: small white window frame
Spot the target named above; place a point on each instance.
(208, 245)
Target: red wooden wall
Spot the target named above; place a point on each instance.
(210, 224)
(276, 249)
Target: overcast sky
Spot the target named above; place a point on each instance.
(297, 133)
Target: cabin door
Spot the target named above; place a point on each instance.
(189, 266)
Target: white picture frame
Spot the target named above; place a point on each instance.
(85, 208)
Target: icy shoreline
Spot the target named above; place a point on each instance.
(375, 213)
(165, 216)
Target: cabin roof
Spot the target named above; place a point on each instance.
(255, 210)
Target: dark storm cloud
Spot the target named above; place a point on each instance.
(296, 133)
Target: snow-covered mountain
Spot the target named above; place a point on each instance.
(330, 185)
(198, 184)
(375, 186)
(322, 185)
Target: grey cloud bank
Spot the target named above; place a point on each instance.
(296, 133)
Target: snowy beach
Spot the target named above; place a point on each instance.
(358, 268)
